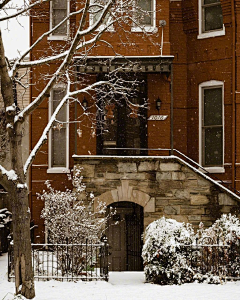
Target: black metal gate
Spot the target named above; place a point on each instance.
(125, 230)
(134, 231)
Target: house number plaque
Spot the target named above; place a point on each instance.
(157, 118)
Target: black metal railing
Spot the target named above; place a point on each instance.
(66, 261)
(209, 257)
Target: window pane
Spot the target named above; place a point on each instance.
(213, 147)
(213, 18)
(59, 4)
(59, 132)
(58, 16)
(145, 12)
(97, 12)
(59, 147)
(57, 97)
(211, 1)
(212, 107)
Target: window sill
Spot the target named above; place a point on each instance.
(213, 169)
(57, 38)
(152, 29)
(211, 34)
(58, 170)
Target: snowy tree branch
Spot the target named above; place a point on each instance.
(7, 178)
(64, 65)
(24, 10)
(5, 2)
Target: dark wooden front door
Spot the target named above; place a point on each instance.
(124, 236)
(121, 125)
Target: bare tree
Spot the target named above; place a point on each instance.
(82, 38)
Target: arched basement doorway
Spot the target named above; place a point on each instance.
(124, 233)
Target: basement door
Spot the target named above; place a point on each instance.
(124, 233)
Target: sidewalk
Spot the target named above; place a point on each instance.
(121, 286)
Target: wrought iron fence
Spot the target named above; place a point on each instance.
(66, 261)
(209, 257)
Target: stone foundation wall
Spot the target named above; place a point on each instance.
(164, 186)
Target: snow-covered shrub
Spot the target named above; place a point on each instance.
(165, 260)
(223, 258)
(70, 219)
(225, 230)
(5, 222)
(5, 216)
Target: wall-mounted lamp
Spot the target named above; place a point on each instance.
(158, 104)
(85, 103)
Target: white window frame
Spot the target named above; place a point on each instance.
(147, 28)
(50, 111)
(201, 33)
(53, 36)
(202, 86)
(101, 27)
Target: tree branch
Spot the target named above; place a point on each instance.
(17, 64)
(44, 135)
(80, 33)
(22, 11)
(7, 178)
(64, 65)
(4, 3)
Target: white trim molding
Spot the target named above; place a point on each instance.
(51, 168)
(147, 28)
(208, 85)
(53, 36)
(105, 24)
(206, 34)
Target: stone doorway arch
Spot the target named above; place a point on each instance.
(125, 192)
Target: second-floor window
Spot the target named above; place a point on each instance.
(210, 19)
(96, 11)
(145, 12)
(144, 15)
(59, 11)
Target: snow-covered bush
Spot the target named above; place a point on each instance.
(222, 260)
(225, 230)
(5, 222)
(165, 260)
(69, 218)
(5, 216)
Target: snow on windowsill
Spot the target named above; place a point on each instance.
(213, 169)
(58, 170)
(57, 38)
(152, 29)
(205, 35)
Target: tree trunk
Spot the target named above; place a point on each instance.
(24, 279)
(17, 189)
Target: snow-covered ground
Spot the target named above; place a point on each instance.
(121, 286)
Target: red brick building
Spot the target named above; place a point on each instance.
(189, 61)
